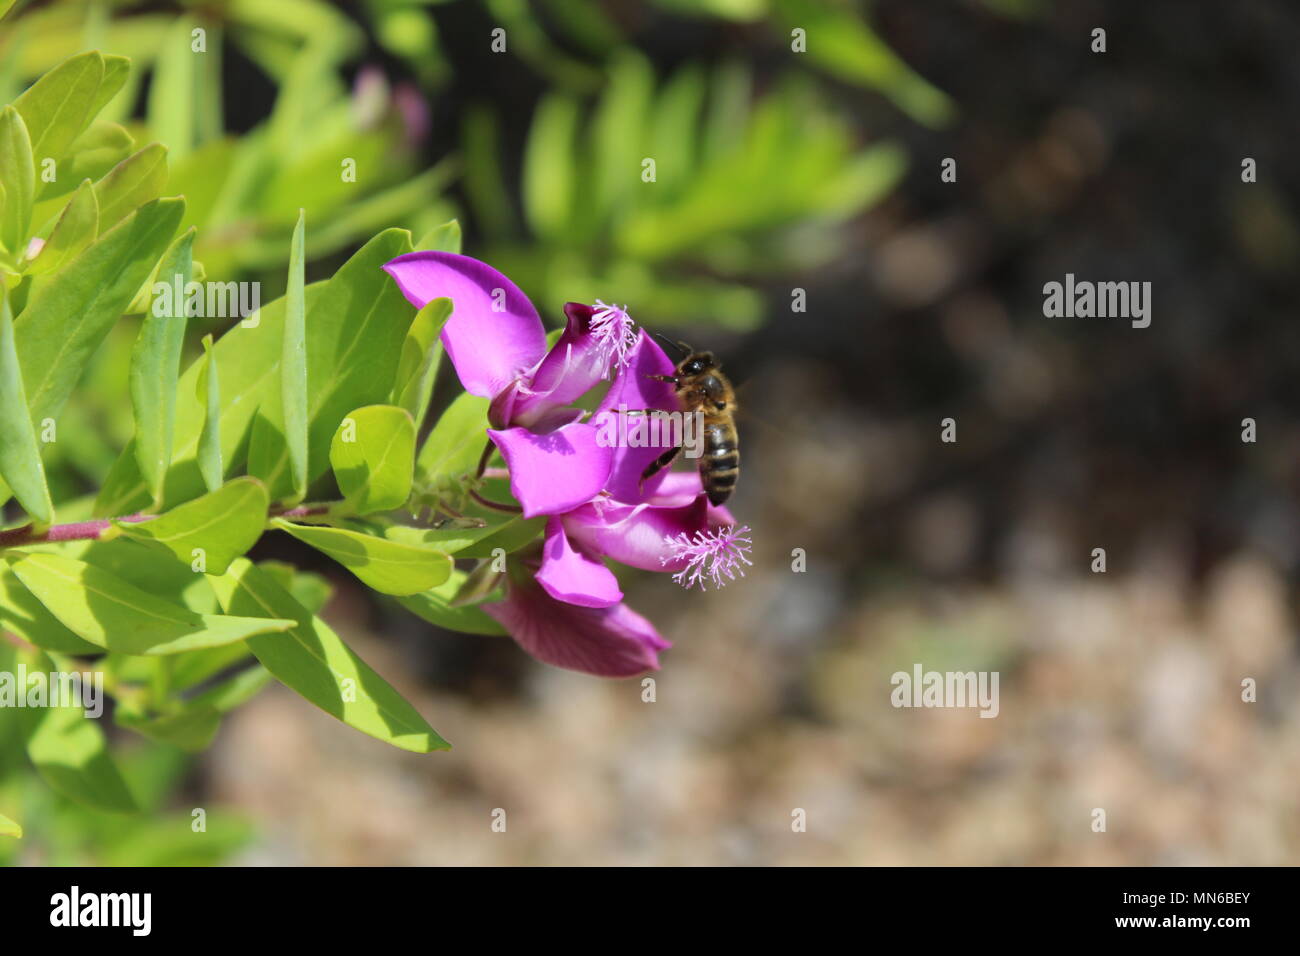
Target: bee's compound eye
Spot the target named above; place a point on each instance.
(694, 367)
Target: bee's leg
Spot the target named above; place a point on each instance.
(659, 464)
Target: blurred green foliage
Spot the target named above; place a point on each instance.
(747, 186)
(243, 192)
(740, 189)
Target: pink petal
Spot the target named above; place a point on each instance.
(571, 576)
(489, 348)
(555, 471)
(681, 488)
(607, 642)
(636, 535)
(576, 362)
(678, 488)
(634, 391)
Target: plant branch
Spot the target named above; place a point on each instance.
(95, 528)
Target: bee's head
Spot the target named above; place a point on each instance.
(697, 363)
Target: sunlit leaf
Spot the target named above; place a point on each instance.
(61, 104)
(444, 238)
(501, 531)
(208, 452)
(358, 326)
(421, 356)
(20, 455)
(373, 456)
(134, 181)
(390, 567)
(293, 365)
(315, 662)
(435, 607)
(22, 614)
(68, 316)
(75, 229)
(456, 442)
(91, 156)
(19, 177)
(105, 610)
(218, 527)
(155, 366)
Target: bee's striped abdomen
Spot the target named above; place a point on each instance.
(720, 464)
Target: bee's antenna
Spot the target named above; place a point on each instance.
(681, 347)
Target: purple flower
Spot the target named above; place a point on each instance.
(612, 641)
(497, 344)
(568, 611)
(562, 603)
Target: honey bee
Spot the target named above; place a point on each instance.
(701, 387)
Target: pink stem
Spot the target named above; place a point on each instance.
(82, 530)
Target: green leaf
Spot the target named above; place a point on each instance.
(195, 724)
(116, 71)
(373, 456)
(70, 313)
(75, 229)
(196, 667)
(209, 445)
(105, 610)
(70, 753)
(18, 174)
(509, 537)
(848, 48)
(619, 132)
(293, 364)
(390, 567)
(310, 590)
(8, 827)
(358, 325)
(421, 354)
(91, 156)
(130, 184)
(435, 607)
(172, 108)
(675, 129)
(444, 238)
(548, 177)
(20, 455)
(315, 662)
(358, 321)
(190, 730)
(61, 104)
(508, 533)
(25, 616)
(221, 525)
(453, 448)
(146, 566)
(246, 358)
(155, 366)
